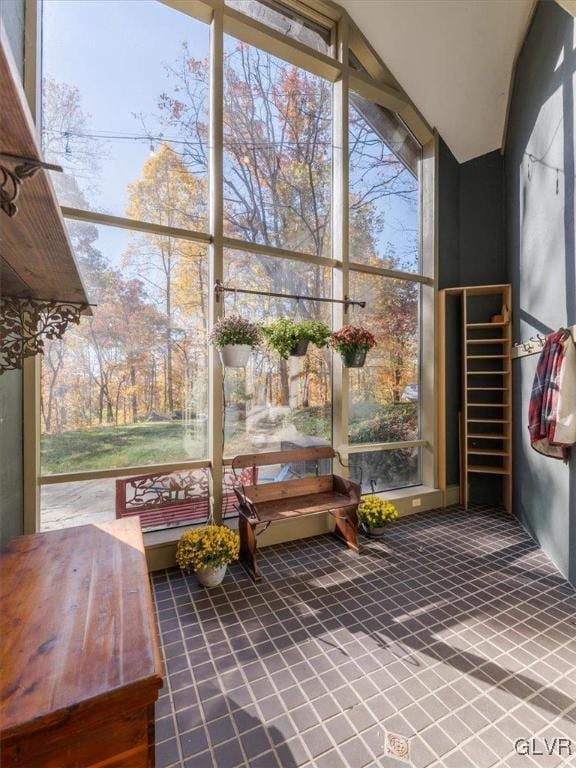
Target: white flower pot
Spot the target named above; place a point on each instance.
(235, 355)
(374, 531)
(377, 530)
(211, 577)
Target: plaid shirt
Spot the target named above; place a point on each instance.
(545, 400)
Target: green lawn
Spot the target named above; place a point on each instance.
(109, 446)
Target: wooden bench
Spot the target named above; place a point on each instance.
(293, 499)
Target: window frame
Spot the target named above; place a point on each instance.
(375, 84)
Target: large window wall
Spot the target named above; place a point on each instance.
(227, 142)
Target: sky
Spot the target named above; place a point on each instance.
(115, 52)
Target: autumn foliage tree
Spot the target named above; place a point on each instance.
(143, 354)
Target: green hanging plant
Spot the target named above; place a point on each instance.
(291, 338)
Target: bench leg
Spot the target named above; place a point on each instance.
(346, 528)
(248, 547)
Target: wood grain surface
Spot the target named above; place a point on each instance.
(79, 652)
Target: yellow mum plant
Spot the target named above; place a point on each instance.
(376, 512)
(208, 546)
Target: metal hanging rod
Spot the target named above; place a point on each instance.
(535, 344)
(219, 288)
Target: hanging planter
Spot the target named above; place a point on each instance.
(354, 358)
(235, 337)
(235, 355)
(300, 349)
(353, 344)
(207, 550)
(291, 339)
(375, 514)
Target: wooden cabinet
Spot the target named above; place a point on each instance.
(79, 654)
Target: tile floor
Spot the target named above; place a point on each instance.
(449, 640)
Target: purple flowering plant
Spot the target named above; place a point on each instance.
(235, 330)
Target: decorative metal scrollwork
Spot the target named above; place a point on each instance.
(11, 180)
(25, 324)
(160, 489)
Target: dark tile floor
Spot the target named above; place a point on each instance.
(440, 646)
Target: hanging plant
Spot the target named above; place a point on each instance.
(290, 338)
(235, 337)
(353, 343)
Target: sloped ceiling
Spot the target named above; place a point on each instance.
(454, 58)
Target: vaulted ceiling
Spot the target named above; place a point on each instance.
(454, 58)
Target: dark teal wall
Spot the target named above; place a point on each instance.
(471, 243)
(539, 178)
(449, 276)
(482, 231)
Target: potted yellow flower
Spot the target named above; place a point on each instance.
(375, 513)
(207, 550)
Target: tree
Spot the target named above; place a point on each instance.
(145, 348)
(168, 194)
(65, 141)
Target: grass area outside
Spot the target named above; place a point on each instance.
(159, 442)
(123, 446)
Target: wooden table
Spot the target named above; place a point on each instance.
(79, 657)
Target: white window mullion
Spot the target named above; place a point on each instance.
(216, 257)
(340, 225)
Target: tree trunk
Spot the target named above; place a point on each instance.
(101, 404)
(109, 409)
(284, 383)
(397, 381)
(169, 379)
(133, 398)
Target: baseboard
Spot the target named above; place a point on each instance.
(452, 495)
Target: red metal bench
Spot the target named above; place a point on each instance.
(169, 499)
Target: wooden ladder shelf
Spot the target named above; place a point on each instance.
(486, 422)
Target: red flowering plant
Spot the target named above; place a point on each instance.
(351, 339)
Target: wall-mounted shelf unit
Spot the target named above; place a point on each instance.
(37, 258)
(41, 290)
(486, 411)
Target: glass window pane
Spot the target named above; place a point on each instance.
(160, 499)
(277, 152)
(125, 108)
(128, 386)
(384, 190)
(284, 19)
(277, 404)
(384, 395)
(386, 470)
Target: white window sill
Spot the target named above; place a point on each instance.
(430, 498)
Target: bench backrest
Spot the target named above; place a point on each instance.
(283, 457)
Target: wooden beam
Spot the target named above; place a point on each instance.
(113, 472)
(568, 5)
(379, 93)
(194, 8)
(78, 214)
(267, 39)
